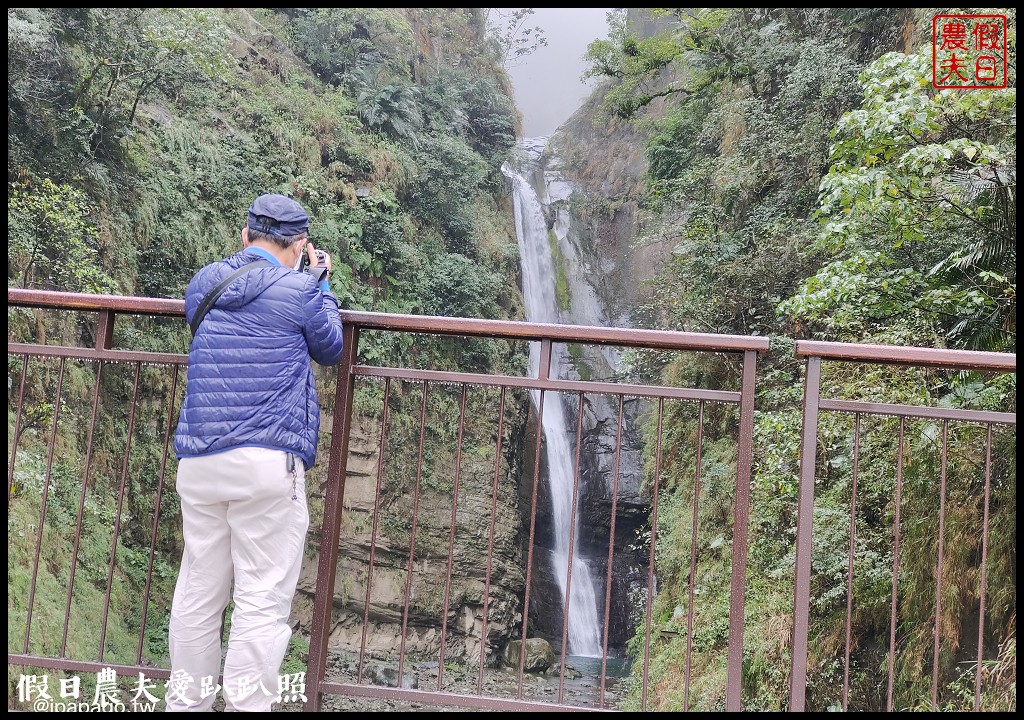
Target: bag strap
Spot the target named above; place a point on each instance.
(218, 290)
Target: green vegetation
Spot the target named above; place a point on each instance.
(563, 298)
(894, 228)
(579, 361)
(139, 137)
(919, 215)
(80, 637)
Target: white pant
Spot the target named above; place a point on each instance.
(240, 522)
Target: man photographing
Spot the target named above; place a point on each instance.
(246, 435)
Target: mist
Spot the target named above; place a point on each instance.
(547, 83)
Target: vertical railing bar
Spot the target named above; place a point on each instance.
(611, 554)
(373, 530)
(156, 513)
(852, 554)
(740, 539)
(693, 557)
(939, 565)
(17, 429)
(105, 330)
(81, 508)
(544, 363)
(804, 531)
(490, 540)
(412, 532)
(650, 564)
(570, 549)
(543, 371)
(330, 528)
(120, 503)
(895, 565)
(451, 537)
(43, 500)
(984, 567)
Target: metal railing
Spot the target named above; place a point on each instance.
(971, 487)
(421, 550)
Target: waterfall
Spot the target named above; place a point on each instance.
(583, 636)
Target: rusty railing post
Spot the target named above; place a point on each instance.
(323, 599)
(105, 330)
(804, 529)
(741, 517)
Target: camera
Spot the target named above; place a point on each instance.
(303, 262)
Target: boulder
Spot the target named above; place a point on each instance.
(539, 654)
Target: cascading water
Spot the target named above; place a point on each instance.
(583, 634)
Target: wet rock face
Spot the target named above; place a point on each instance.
(546, 602)
(614, 485)
(482, 598)
(598, 496)
(609, 477)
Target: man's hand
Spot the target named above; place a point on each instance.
(315, 256)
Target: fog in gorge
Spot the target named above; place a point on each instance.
(547, 83)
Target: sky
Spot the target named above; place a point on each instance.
(547, 83)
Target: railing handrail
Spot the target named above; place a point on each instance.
(904, 355)
(587, 334)
(168, 307)
(427, 324)
(633, 337)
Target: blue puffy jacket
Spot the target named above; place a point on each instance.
(250, 381)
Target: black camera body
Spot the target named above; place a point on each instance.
(303, 261)
(319, 272)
